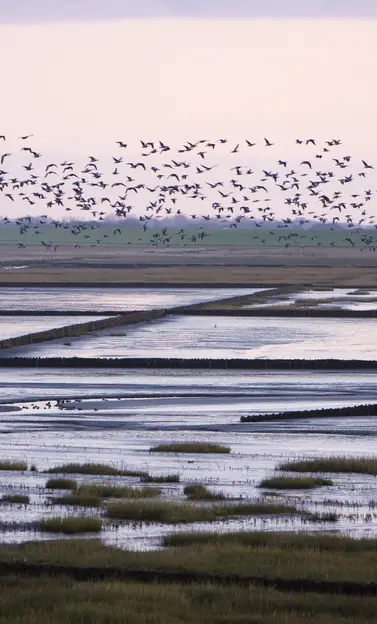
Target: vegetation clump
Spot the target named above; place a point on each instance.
(94, 469)
(9, 464)
(170, 478)
(77, 500)
(173, 513)
(71, 525)
(20, 499)
(61, 484)
(117, 491)
(337, 463)
(201, 492)
(313, 542)
(294, 483)
(190, 447)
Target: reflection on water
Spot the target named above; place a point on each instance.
(144, 408)
(117, 299)
(12, 326)
(338, 298)
(223, 337)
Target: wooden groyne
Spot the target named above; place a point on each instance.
(186, 364)
(280, 313)
(325, 412)
(78, 329)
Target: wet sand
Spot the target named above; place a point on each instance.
(123, 265)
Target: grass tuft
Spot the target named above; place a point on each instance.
(338, 463)
(190, 447)
(294, 483)
(313, 542)
(117, 491)
(77, 500)
(71, 525)
(201, 492)
(173, 513)
(170, 478)
(61, 484)
(94, 469)
(20, 499)
(9, 464)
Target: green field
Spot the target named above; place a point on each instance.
(231, 237)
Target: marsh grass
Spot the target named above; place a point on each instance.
(316, 542)
(190, 447)
(294, 483)
(77, 500)
(174, 513)
(170, 478)
(61, 484)
(59, 601)
(117, 491)
(94, 469)
(201, 492)
(71, 525)
(283, 555)
(9, 464)
(20, 499)
(336, 463)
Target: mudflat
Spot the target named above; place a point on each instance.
(222, 265)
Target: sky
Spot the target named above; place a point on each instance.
(81, 75)
(23, 11)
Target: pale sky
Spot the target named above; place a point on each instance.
(80, 85)
(21, 11)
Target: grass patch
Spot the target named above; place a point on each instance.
(59, 601)
(174, 513)
(71, 525)
(20, 499)
(170, 478)
(77, 500)
(284, 555)
(190, 447)
(94, 469)
(117, 491)
(9, 464)
(317, 542)
(61, 484)
(201, 492)
(294, 483)
(340, 463)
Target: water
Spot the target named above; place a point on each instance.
(223, 337)
(117, 299)
(115, 416)
(13, 326)
(336, 298)
(145, 408)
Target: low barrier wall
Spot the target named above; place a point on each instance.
(81, 328)
(171, 363)
(263, 312)
(325, 412)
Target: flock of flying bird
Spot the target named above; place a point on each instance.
(163, 186)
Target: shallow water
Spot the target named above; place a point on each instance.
(12, 326)
(168, 406)
(337, 298)
(223, 337)
(117, 299)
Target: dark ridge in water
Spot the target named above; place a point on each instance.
(199, 363)
(287, 313)
(325, 412)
